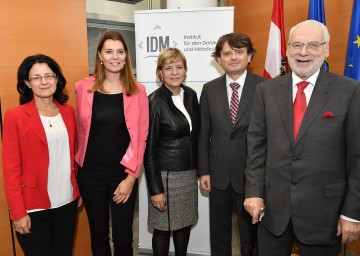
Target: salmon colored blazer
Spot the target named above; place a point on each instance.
(26, 158)
(136, 110)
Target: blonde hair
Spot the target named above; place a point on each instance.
(168, 56)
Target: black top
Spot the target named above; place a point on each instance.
(109, 137)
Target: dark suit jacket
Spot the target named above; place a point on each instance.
(222, 147)
(317, 178)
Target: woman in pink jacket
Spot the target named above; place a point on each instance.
(113, 120)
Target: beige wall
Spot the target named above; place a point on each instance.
(57, 29)
(116, 11)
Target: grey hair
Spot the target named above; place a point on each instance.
(326, 33)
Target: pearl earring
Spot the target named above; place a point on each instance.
(101, 62)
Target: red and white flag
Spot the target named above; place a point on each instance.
(276, 62)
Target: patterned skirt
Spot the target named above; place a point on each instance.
(181, 192)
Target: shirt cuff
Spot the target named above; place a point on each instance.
(348, 219)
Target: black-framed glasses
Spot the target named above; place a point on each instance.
(313, 46)
(48, 78)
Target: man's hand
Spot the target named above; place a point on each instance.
(255, 207)
(349, 230)
(205, 183)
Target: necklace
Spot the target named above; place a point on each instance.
(50, 124)
(48, 113)
(111, 87)
(48, 120)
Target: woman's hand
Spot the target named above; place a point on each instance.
(123, 191)
(159, 202)
(23, 225)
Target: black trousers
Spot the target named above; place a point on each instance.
(97, 188)
(271, 245)
(222, 203)
(52, 232)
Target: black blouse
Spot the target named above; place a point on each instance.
(109, 137)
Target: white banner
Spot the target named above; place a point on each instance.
(195, 32)
(176, 4)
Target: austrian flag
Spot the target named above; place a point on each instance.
(276, 62)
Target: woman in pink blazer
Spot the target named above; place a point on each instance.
(38, 160)
(113, 120)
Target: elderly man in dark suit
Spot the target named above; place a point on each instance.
(303, 165)
(225, 107)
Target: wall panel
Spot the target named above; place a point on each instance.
(57, 29)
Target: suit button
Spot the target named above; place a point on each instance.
(293, 182)
(294, 158)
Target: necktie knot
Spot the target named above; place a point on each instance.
(235, 86)
(302, 85)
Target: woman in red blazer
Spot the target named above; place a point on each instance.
(113, 121)
(38, 160)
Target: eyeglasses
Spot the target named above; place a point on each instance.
(48, 78)
(312, 46)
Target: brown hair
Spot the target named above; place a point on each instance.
(235, 40)
(167, 56)
(127, 76)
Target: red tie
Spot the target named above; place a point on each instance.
(299, 107)
(234, 102)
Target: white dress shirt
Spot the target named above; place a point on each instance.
(240, 81)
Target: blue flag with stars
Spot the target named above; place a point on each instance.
(317, 12)
(352, 65)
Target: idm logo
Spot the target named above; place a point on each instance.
(157, 44)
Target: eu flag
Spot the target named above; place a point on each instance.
(317, 12)
(352, 65)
